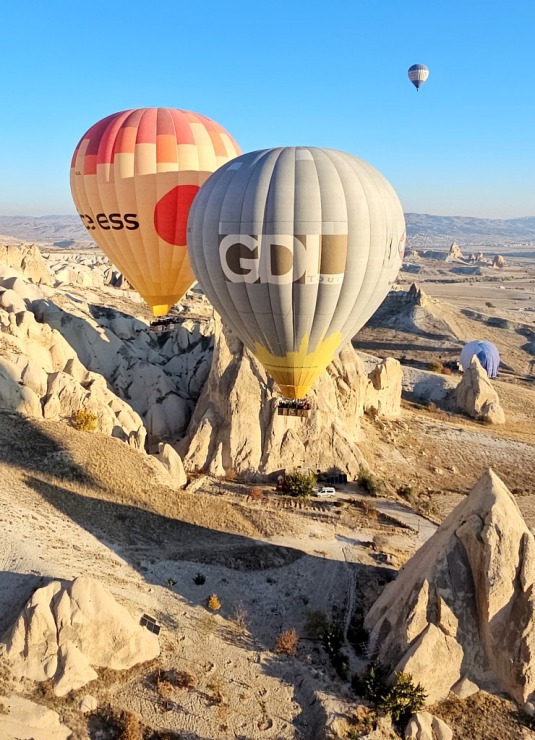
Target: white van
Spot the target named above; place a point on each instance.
(326, 492)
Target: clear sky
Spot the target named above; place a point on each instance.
(284, 72)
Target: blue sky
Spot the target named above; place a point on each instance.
(328, 74)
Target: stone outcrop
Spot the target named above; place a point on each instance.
(383, 392)
(172, 462)
(476, 396)
(454, 254)
(41, 375)
(22, 719)
(498, 262)
(425, 726)
(135, 381)
(463, 607)
(27, 260)
(159, 377)
(236, 426)
(66, 630)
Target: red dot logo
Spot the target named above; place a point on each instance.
(171, 214)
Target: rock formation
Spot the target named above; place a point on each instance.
(463, 607)
(476, 395)
(22, 719)
(498, 262)
(478, 257)
(236, 426)
(425, 726)
(27, 260)
(172, 462)
(411, 311)
(66, 629)
(383, 392)
(133, 380)
(455, 254)
(40, 373)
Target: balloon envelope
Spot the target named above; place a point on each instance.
(487, 354)
(418, 74)
(296, 248)
(133, 177)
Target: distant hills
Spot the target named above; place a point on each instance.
(430, 230)
(422, 229)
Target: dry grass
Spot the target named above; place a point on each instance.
(167, 682)
(287, 643)
(485, 717)
(84, 421)
(217, 691)
(213, 603)
(240, 618)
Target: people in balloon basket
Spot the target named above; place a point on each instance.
(298, 403)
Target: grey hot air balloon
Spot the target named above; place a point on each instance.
(296, 248)
(418, 74)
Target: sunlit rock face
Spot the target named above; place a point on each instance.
(463, 607)
(236, 426)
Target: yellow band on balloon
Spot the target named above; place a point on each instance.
(296, 372)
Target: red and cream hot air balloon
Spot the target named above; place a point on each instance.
(134, 176)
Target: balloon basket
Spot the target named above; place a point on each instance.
(289, 407)
(159, 326)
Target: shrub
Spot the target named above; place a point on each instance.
(213, 603)
(435, 367)
(199, 579)
(240, 617)
(297, 483)
(84, 421)
(287, 643)
(316, 625)
(333, 641)
(131, 728)
(404, 698)
(370, 482)
(362, 722)
(217, 689)
(372, 412)
(369, 510)
(372, 683)
(231, 474)
(184, 680)
(400, 700)
(256, 493)
(408, 493)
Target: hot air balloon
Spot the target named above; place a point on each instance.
(487, 354)
(418, 74)
(133, 177)
(296, 248)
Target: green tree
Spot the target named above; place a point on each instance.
(298, 483)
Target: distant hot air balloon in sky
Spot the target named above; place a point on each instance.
(133, 177)
(296, 248)
(418, 74)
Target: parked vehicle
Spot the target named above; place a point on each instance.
(326, 492)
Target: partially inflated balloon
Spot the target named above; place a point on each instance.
(296, 248)
(418, 74)
(133, 177)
